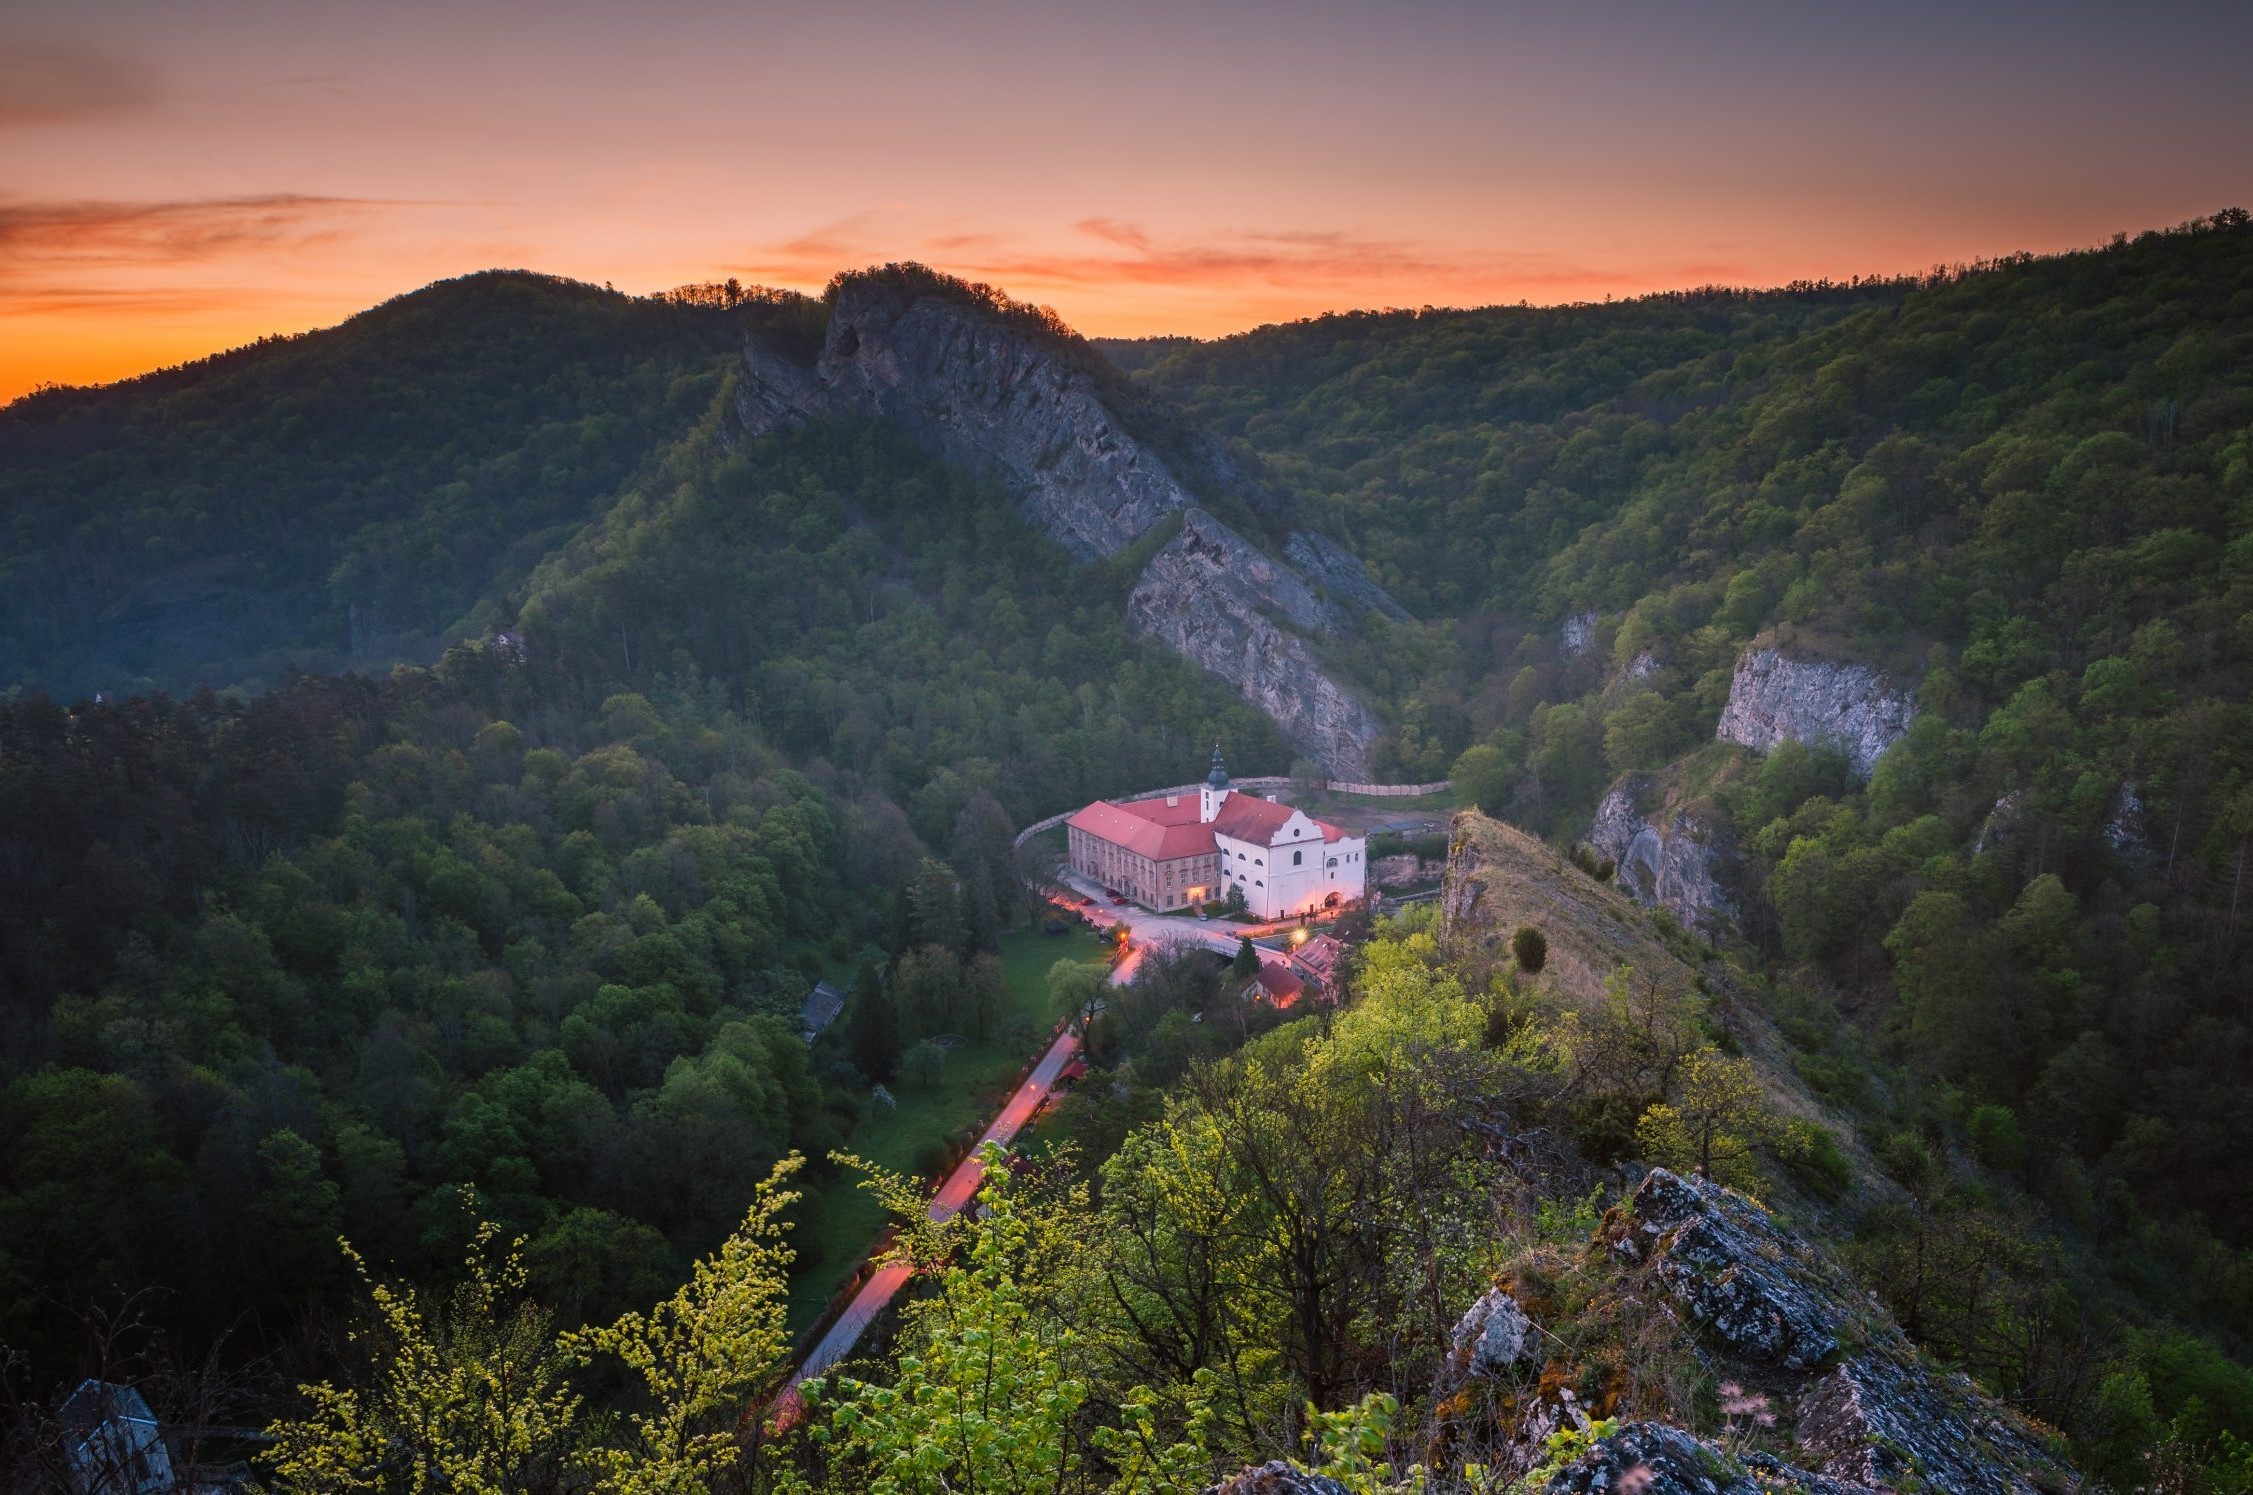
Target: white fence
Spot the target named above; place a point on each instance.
(1388, 791)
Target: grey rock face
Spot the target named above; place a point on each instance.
(1650, 1458)
(1775, 698)
(1491, 1337)
(1275, 1477)
(1756, 1291)
(1872, 1415)
(997, 398)
(1217, 600)
(1579, 635)
(1672, 865)
(986, 395)
(1878, 1421)
(1340, 575)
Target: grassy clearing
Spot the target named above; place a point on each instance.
(978, 1075)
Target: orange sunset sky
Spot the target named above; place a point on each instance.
(180, 177)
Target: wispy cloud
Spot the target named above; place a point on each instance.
(49, 83)
(38, 237)
(1264, 266)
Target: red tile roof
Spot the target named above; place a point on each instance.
(1247, 817)
(1163, 832)
(1279, 983)
(1131, 826)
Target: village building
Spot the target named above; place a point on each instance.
(1177, 851)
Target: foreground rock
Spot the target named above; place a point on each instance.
(1005, 394)
(1650, 1458)
(1776, 697)
(1671, 863)
(1796, 1379)
(1278, 1478)
(1859, 1403)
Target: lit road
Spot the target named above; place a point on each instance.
(959, 1189)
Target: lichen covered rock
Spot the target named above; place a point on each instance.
(1776, 697)
(1493, 1335)
(1755, 1291)
(1651, 1458)
(1276, 1477)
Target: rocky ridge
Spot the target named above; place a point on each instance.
(1819, 1391)
(1776, 697)
(1671, 863)
(1002, 398)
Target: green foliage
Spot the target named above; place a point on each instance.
(347, 495)
(1530, 948)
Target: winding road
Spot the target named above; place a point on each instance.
(954, 1195)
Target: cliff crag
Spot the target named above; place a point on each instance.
(1215, 599)
(1010, 398)
(1776, 697)
(1671, 862)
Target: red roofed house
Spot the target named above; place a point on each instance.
(1175, 852)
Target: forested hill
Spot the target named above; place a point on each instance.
(2017, 500)
(344, 497)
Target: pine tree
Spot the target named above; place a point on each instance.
(872, 1036)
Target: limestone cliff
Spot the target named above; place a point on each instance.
(1671, 862)
(1004, 394)
(1776, 697)
(1214, 598)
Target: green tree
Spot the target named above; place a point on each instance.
(1716, 1120)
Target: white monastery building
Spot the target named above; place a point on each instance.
(1177, 851)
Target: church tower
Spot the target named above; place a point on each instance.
(1215, 790)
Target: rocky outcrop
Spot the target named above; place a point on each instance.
(1856, 1398)
(1671, 863)
(1810, 1388)
(1650, 1458)
(1004, 395)
(1776, 697)
(1276, 1477)
(1578, 635)
(1217, 600)
(1756, 1292)
(1499, 878)
(1493, 1335)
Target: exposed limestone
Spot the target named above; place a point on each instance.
(1276, 1477)
(985, 394)
(1671, 864)
(1001, 398)
(1775, 697)
(1996, 829)
(1492, 1336)
(1650, 1458)
(1821, 1391)
(2123, 828)
(1579, 635)
(1866, 1405)
(1757, 1292)
(1212, 597)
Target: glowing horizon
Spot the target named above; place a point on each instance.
(243, 169)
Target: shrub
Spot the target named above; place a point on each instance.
(1531, 947)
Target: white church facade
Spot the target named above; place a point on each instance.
(1178, 851)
